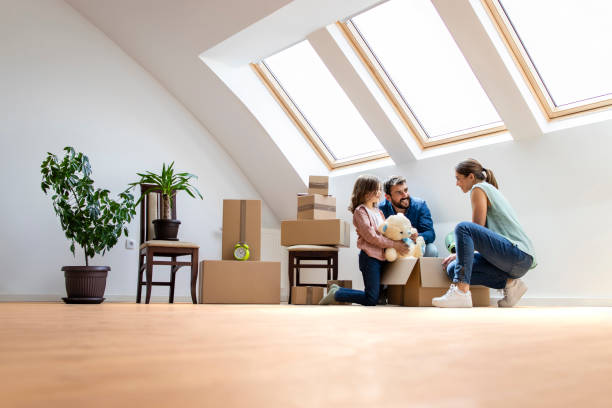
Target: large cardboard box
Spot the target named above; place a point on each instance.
(306, 295)
(415, 282)
(241, 223)
(347, 284)
(318, 185)
(240, 282)
(315, 232)
(316, 207)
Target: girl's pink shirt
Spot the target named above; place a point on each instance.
(369, 239)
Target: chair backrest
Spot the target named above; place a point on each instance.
(150, 209)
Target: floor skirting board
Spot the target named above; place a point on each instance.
(526, 301)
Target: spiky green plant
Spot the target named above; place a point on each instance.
(168, 183)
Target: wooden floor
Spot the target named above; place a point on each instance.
(113, 355)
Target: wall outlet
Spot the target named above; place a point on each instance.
(130, 244)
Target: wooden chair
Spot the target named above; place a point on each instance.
(150, 249)
(299, 253)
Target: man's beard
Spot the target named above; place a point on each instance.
(403, 203)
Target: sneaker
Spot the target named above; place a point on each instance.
(382, 297)
(512, 293)
(329, 298)
(454, 297)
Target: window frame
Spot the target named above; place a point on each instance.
(385, 83)
(525, 65)
(304, 126)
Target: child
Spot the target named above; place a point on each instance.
(367, 193)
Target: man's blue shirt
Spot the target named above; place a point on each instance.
(419, 215)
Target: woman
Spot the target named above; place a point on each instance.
(505, 253)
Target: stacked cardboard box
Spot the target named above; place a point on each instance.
(415, 282)
(232, 281)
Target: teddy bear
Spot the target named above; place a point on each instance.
(398, 227)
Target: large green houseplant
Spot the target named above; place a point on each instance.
(89, 218)
(167, 184)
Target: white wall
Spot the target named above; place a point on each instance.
(63, 82)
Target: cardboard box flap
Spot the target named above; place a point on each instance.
(432, 273)
(398, 272)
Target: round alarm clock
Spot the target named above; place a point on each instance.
(241, 251)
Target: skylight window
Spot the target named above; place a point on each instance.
(563, 49)
(426, 75)
(319, 106)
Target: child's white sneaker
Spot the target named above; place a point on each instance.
(454, 297)
(512, 293)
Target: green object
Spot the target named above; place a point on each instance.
(502, 219)
(241, 251)
(449, 241)
(168, 183)
(88, 216)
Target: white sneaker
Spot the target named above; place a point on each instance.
(454, 297)
(512, 293)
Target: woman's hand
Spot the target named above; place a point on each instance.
(401, 247)
(448, 260)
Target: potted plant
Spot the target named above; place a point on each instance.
(89, 218)
(167, 183)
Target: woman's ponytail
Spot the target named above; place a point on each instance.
(471, 166)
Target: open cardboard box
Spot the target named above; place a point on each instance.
(415, 282)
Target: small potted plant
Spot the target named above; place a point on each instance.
(167, 183)
(89, 218)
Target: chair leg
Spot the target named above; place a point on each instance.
(173, 270)
(194, 275)
(139, 284)
(149, 262)
(335, 270)
(290, 270)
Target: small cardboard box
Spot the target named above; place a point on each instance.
(240, 282)
(315, 232)
(318, 185)
(347, 284)
(241, 223)
(306, 295)
(316, 207)
(415, 282)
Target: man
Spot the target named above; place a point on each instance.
(398, 201)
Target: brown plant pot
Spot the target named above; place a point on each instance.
(166, 229)
(85, 284)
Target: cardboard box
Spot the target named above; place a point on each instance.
(240, 282)
(348, 284)
(318, 185)
(415, 282)
(241, 223)
(315, 232)
(306, 295)
(316, 207)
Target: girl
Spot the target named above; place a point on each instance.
(505, 253)
(367, 193)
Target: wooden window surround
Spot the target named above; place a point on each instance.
(393, 95)
(530, 73)
(304, 126)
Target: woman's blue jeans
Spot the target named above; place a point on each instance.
(497, 259)
(371, 269)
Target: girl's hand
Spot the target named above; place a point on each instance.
(401, 247)
(448, 260)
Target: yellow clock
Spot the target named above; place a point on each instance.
(241, 251)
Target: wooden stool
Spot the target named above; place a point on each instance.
(168, 249)
(298, 253)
